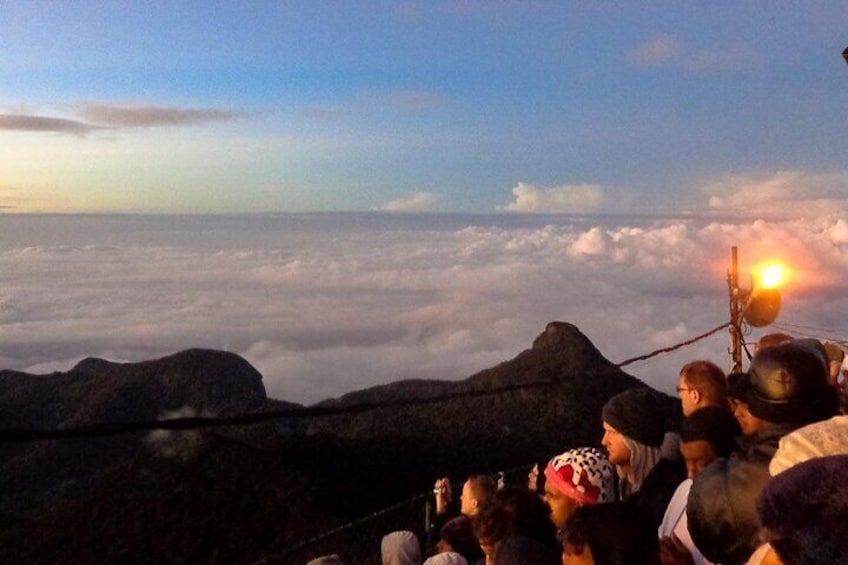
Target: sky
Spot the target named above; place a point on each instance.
(465, 106)
(351, 193)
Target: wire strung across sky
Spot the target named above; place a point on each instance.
(811, 332)
(674, 347)
(19, 435)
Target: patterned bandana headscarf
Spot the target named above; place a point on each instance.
(584, 474)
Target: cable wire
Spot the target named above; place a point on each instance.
(794, 329)
(349, 525)
(673, 347)
(20, 435)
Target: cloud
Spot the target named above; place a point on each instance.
(780, 193)
(560, 199)
(326, 304)
(668, 50)
(657, 51)
(144, 116)
(181, 445)
(113, 116)
(419, 201)
(22, 122)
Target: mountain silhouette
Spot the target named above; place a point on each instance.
(210, 495)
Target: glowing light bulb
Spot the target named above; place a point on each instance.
(772, 275)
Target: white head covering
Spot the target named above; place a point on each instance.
(401, 548)
(447, 558)
(643, 458)
(820, 439)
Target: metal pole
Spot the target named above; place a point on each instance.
(735, 325)
(428, 524)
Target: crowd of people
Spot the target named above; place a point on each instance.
(755, 473)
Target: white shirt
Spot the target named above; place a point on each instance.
(674, 522)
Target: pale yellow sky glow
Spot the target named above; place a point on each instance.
(144, 172)
(324, 106)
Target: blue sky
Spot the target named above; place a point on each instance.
(422, 106)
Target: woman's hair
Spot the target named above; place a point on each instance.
(514, 511)
(616, 532)
(458, 534)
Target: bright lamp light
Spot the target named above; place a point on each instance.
(771, 275)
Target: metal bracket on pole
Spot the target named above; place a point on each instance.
(735, 312)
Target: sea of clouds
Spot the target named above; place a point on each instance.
(323, 304)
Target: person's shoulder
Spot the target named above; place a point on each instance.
(683, 489)
(676, 508)
(712, 479)
(668, 472)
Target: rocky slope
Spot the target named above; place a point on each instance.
(211, 494)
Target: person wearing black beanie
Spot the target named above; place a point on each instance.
(637, 414)
(634, 424)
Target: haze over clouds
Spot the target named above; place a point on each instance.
(326, 304)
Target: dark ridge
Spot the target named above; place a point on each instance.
(92, 366)
(244, 493)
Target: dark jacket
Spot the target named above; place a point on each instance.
(657, 489)
(722, 505)
(519, 550)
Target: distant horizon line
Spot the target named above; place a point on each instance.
(684, 214)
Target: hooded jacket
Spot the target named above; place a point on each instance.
(722, 505)
(401, 548)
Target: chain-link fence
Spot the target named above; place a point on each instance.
(358, 542)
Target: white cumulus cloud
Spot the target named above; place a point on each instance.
(793, 193)
(576, 198)
(418, 201)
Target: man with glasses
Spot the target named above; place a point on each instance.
(702, 383)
